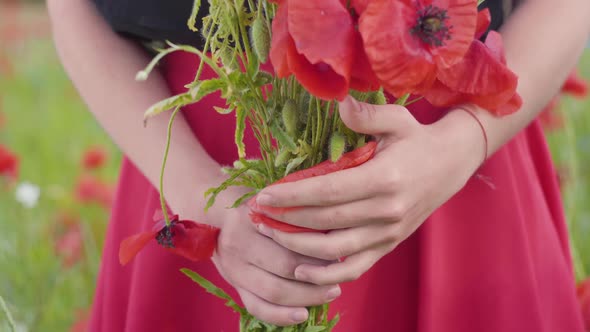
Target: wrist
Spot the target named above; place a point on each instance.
(464, 136)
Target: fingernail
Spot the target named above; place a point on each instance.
(300, 275)
(264, 199)
(265, 230)
(299, 315)
(333, 293)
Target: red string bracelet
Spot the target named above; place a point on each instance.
(483, 131)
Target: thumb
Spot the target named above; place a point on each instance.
(376, 119)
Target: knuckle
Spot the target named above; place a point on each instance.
(332, 217)
(328, 191)
(396, 210)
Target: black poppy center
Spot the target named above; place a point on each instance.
(432, 26)
(165, 236)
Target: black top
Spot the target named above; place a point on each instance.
(167, 20)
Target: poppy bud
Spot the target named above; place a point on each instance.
(260, 38)
(377, 98)
(282, 157)
(337, 146)
(228, 58)
(290, 117)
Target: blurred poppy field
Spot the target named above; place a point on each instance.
(58, 171)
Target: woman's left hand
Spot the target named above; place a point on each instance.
(371, 208)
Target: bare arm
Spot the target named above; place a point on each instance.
(102, 66)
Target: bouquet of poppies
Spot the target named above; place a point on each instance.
(378, 51)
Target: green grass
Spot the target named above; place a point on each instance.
(49, 128)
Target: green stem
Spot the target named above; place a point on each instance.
(8, 314)
(168, 136)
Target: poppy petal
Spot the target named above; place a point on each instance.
(323, 32)
(484, 19)
(462, 20)
(194, 241)
(363, 77)
(133, 244)
(281, 42)
(258, 219)
(481, 73)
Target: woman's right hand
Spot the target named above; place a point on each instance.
(261, 270)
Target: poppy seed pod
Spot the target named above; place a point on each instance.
(290, 117)
(260, 39)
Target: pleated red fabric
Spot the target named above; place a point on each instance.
(493, 258)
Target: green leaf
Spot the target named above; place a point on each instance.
(223, 111)
(284, 140)
(315, 329)
(213, 192)
(240, 128)
(212, 289)
(242, 199)
(192, 20)
(282, 157)
(294, 163)
(333, 322)
(195, 94)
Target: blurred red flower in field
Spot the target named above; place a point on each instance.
(8, 163)
(94, 157)
(550, 116)
(89, 189)
(575, 85)
(584, 298)
(185, 238)
(69, 245)
(81, 324)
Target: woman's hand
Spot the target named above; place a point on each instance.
(370, 209)
(261, 270)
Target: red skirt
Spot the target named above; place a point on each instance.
(491, 259)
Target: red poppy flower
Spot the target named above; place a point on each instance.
(94, 157)
(584, 299)
(185, 238)
(69, 246)
(481, 78)
(406, 41)
(92, 190)
(318, 43)
(82, 321)
(575, 85)
(8, 163)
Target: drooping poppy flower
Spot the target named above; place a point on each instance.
(69, 245)
(90, 189)
(583, 292)
(185, 238)
(407, 41)
(481, 78)
(94, 157)
(8, 163)
(575, 85)
(318, 43)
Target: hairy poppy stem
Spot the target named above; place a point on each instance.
(168, 136)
